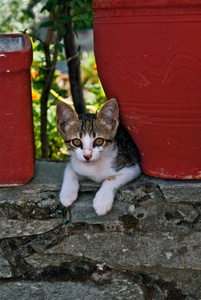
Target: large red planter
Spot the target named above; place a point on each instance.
(17, 152)
(148, 55)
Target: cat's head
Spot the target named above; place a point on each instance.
(88, 137)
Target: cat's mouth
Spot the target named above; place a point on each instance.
(89, 161)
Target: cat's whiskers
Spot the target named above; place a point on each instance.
(100, 149)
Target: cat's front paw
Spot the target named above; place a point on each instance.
(68, 196)
(103, 202)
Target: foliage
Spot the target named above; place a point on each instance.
(62, 14)
(19, 15)
(16, 15)
(91, 82)
(82, 14)
(93, 92)
(11, 17)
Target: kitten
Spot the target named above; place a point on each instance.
(101, 150)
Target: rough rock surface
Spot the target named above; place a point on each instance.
(147, 247)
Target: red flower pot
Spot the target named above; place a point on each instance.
(17, 152)
(148, 56)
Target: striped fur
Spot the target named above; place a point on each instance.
(100, 149)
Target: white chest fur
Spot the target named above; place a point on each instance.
(97, 171)
(93, 156)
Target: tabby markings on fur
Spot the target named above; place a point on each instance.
(101, 150)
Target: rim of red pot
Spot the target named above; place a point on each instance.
(15, 61)
(142, 3)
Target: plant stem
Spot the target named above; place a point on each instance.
(74, 68)
(49, 75)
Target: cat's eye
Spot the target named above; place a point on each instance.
(98, 142)
(77, 143)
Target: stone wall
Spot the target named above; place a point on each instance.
(147, 247)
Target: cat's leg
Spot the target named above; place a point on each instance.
(70, 186)
(104, 198)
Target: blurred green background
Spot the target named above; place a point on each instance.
(32, 17)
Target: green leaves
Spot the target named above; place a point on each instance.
(50, 5)
(47, 23)
(59, 47)
(65, 19)
(81, 13)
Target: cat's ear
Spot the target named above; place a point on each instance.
(65, 116)
(109, 113)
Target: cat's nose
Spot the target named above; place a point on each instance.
(88, 157)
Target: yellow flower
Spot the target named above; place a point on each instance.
(95, 67)
(35, 95)
(34, 74)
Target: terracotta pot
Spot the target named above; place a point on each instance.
(17, 152)
(148, 56)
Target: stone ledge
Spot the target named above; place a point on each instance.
(153, 229)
